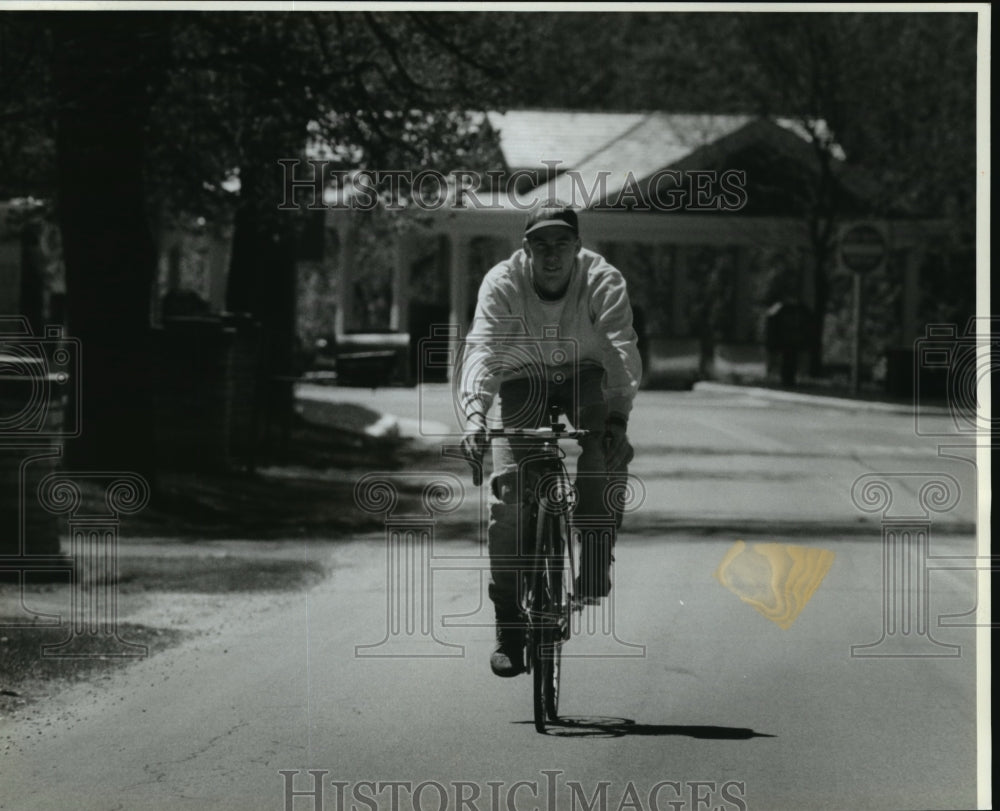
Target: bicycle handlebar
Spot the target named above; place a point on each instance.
(554, 431)
(544, 434)
(536, 433)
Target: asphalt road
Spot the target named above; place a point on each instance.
(682, 693)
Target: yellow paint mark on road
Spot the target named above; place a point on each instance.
(776, 579)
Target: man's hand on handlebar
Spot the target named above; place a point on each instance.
(617, 449)
(474, 444)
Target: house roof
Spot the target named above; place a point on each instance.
(596, 154)
(606, 151)
(528, 138)
(656, 141)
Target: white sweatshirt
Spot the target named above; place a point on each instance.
(514, 327)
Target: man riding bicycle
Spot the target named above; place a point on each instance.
(551, 286)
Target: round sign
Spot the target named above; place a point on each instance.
(862, 248)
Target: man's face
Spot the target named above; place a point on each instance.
(552, 252)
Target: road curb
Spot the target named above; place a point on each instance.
(819, 399)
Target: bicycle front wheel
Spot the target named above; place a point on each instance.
(546, 660)
(548, 619)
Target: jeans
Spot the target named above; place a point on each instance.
(525, 403)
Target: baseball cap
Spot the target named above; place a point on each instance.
(553, 212)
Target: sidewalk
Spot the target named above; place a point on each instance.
(835, 399)
(376, 412)
(424, 413)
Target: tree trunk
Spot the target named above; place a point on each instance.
(262, 282)
(32, 305)
(827, 205)
(104, 66)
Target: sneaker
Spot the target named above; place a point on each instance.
(508, 658)
(594, 579)
(589, 589)
(591, 585)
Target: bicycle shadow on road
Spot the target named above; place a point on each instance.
(601, 727)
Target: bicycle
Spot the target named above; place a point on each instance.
(547, 596)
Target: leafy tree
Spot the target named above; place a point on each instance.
(895, 91)
(153, 111)
(27, 129)
(384, 90)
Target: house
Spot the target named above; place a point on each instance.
(706, 216)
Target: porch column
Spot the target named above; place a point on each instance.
(458, 283)
(910, 327)
(680, 292)
(807, 276)
(399, 314)
(219, 248)
(344, 319)
(458, 293)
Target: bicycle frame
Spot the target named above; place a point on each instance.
(547, 594)
(553, 553)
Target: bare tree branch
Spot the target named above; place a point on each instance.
(431, 30)
(392, 50)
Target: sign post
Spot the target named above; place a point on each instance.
(862, 248)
